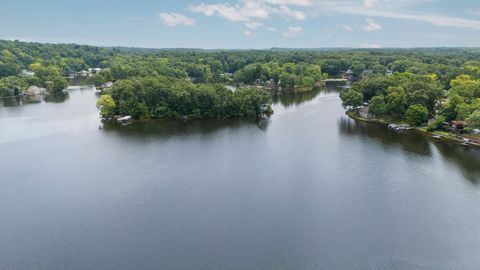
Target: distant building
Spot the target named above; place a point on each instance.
(83, 73)
(94, 70)
(389, 72)
(226, 75)
(364, 112)
(365, 73)
(107, 85)
(28, 73)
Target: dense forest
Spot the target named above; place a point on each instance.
(417, 86)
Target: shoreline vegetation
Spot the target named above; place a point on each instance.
(421, 101)
(438, 135)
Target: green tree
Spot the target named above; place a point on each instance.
(473, 120)
(437, 123)
(107, 106)
(417, 115)
(379, 69)
(377, 106)
(351, 98)
(357, 67)
(396, 100)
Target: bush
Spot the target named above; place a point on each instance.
(437, 123)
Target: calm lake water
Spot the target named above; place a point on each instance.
(309, 189)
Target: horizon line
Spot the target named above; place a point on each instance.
(239, 49)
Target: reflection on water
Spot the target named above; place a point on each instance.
(81, 80)
(291, 99)
(468, 159)
(407, 141)
(165, 128)
(58, 98)
(25, 100)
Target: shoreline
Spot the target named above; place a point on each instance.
(420, 131)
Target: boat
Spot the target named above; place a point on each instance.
(124, 119)
(437, 136)
(396, 127)
(392, 126)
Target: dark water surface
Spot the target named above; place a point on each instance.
(310, 189)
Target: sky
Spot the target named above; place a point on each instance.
(244, 24)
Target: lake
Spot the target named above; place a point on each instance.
(308, 189)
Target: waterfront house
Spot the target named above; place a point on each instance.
(107, 85)
(454, 126)
(83, 73)
(94, 70)
(364, 112)
(458, 125)
(348, 74)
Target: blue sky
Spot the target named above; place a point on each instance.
(244, 23)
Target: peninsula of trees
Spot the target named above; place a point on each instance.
(420, 100)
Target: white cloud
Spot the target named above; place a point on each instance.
(237, 13)
(289, 2)
(376, 3)
(372, 46)
(345, 27)
(371, 26)
(293, 31)
(272, 29)
(438, 20)
(252, 9)
(174, 19)
(247, 33)
(295, 14)
(474, 12)
(253, 25)
(370, 3)
(392, 3)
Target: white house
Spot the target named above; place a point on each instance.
(107, 84)
(28, 73)
(83, 73)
